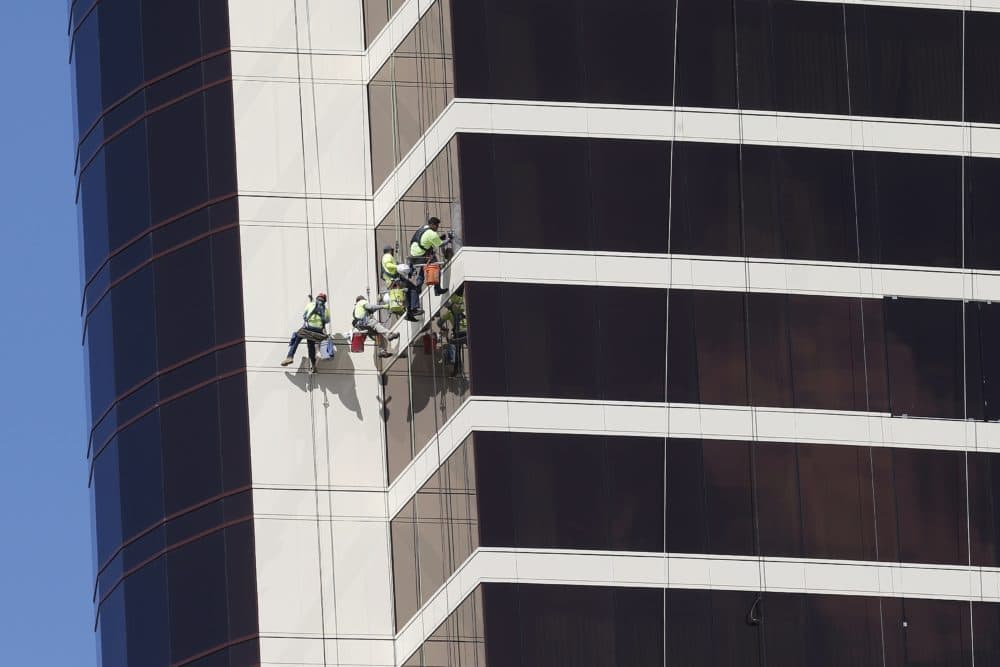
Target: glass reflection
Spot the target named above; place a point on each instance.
(632, 494)
(412, 88)
(427, 384)
(533, 625)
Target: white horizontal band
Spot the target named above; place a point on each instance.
(674, 420)
(721, 273)
(708, 272)
(789, 575)
(381, 48)
(685, 124)
(958, 5)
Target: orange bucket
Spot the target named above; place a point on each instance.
(432, 274)
(358, 341)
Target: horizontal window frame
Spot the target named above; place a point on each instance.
(173, 547)
(158, 404)
(134, 270)
(150, 230)
(138, 89)
(148, 113)
(487, 565)
(160, 523)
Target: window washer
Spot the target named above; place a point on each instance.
(315, 318)
(393, 277)
(423, 249)
(364, 320)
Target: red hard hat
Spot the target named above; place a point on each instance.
(321, 295)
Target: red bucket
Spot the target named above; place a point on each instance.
(358, 341)
(432, 274)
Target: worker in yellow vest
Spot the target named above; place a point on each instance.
(364, 320)
(315, 318)
(393, 277)
(424, 246)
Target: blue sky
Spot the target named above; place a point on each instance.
(46, 617)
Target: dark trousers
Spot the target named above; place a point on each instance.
(296, 339)
(417, 272)
(412, 296)
(412, 287)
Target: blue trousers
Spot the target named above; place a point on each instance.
(296, 339)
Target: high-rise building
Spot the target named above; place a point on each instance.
(715, 379)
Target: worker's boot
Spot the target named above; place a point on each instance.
(393, 336)
(287, 361)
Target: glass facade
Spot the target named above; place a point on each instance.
(377, 15)
(902, 357)
(907, 357)
(422, 389)
(531, 625)
(708, 497)
(769, 55)
(175, 580)
(411, 90)
(690, 198)
(773, 55)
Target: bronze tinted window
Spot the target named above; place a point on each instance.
(827, 353)
(982, 78)
(811, 630)
(706, 208)
(770, 355)
(404, 564)
(925, 357)
(982, 209)
(398, 417)
(478, 189)
(707, 358)
(559, 492)
(547, 360)
(538, 181)
(931, 632)
(836, 502)
(531, 625)
(638, 70)
(548, 63)
(790, 56)
(709, 499)
(711, 623)
(984, 508)
(706, 59)
(629, 184)
(920, 497)
(909, 208)
(798, 203)
(905, 62)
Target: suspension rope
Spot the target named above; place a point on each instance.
(761, 568)
(312, 407)
(666, 341)
(326, 278)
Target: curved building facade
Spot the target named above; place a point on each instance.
(164, 338)
(720, 387)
